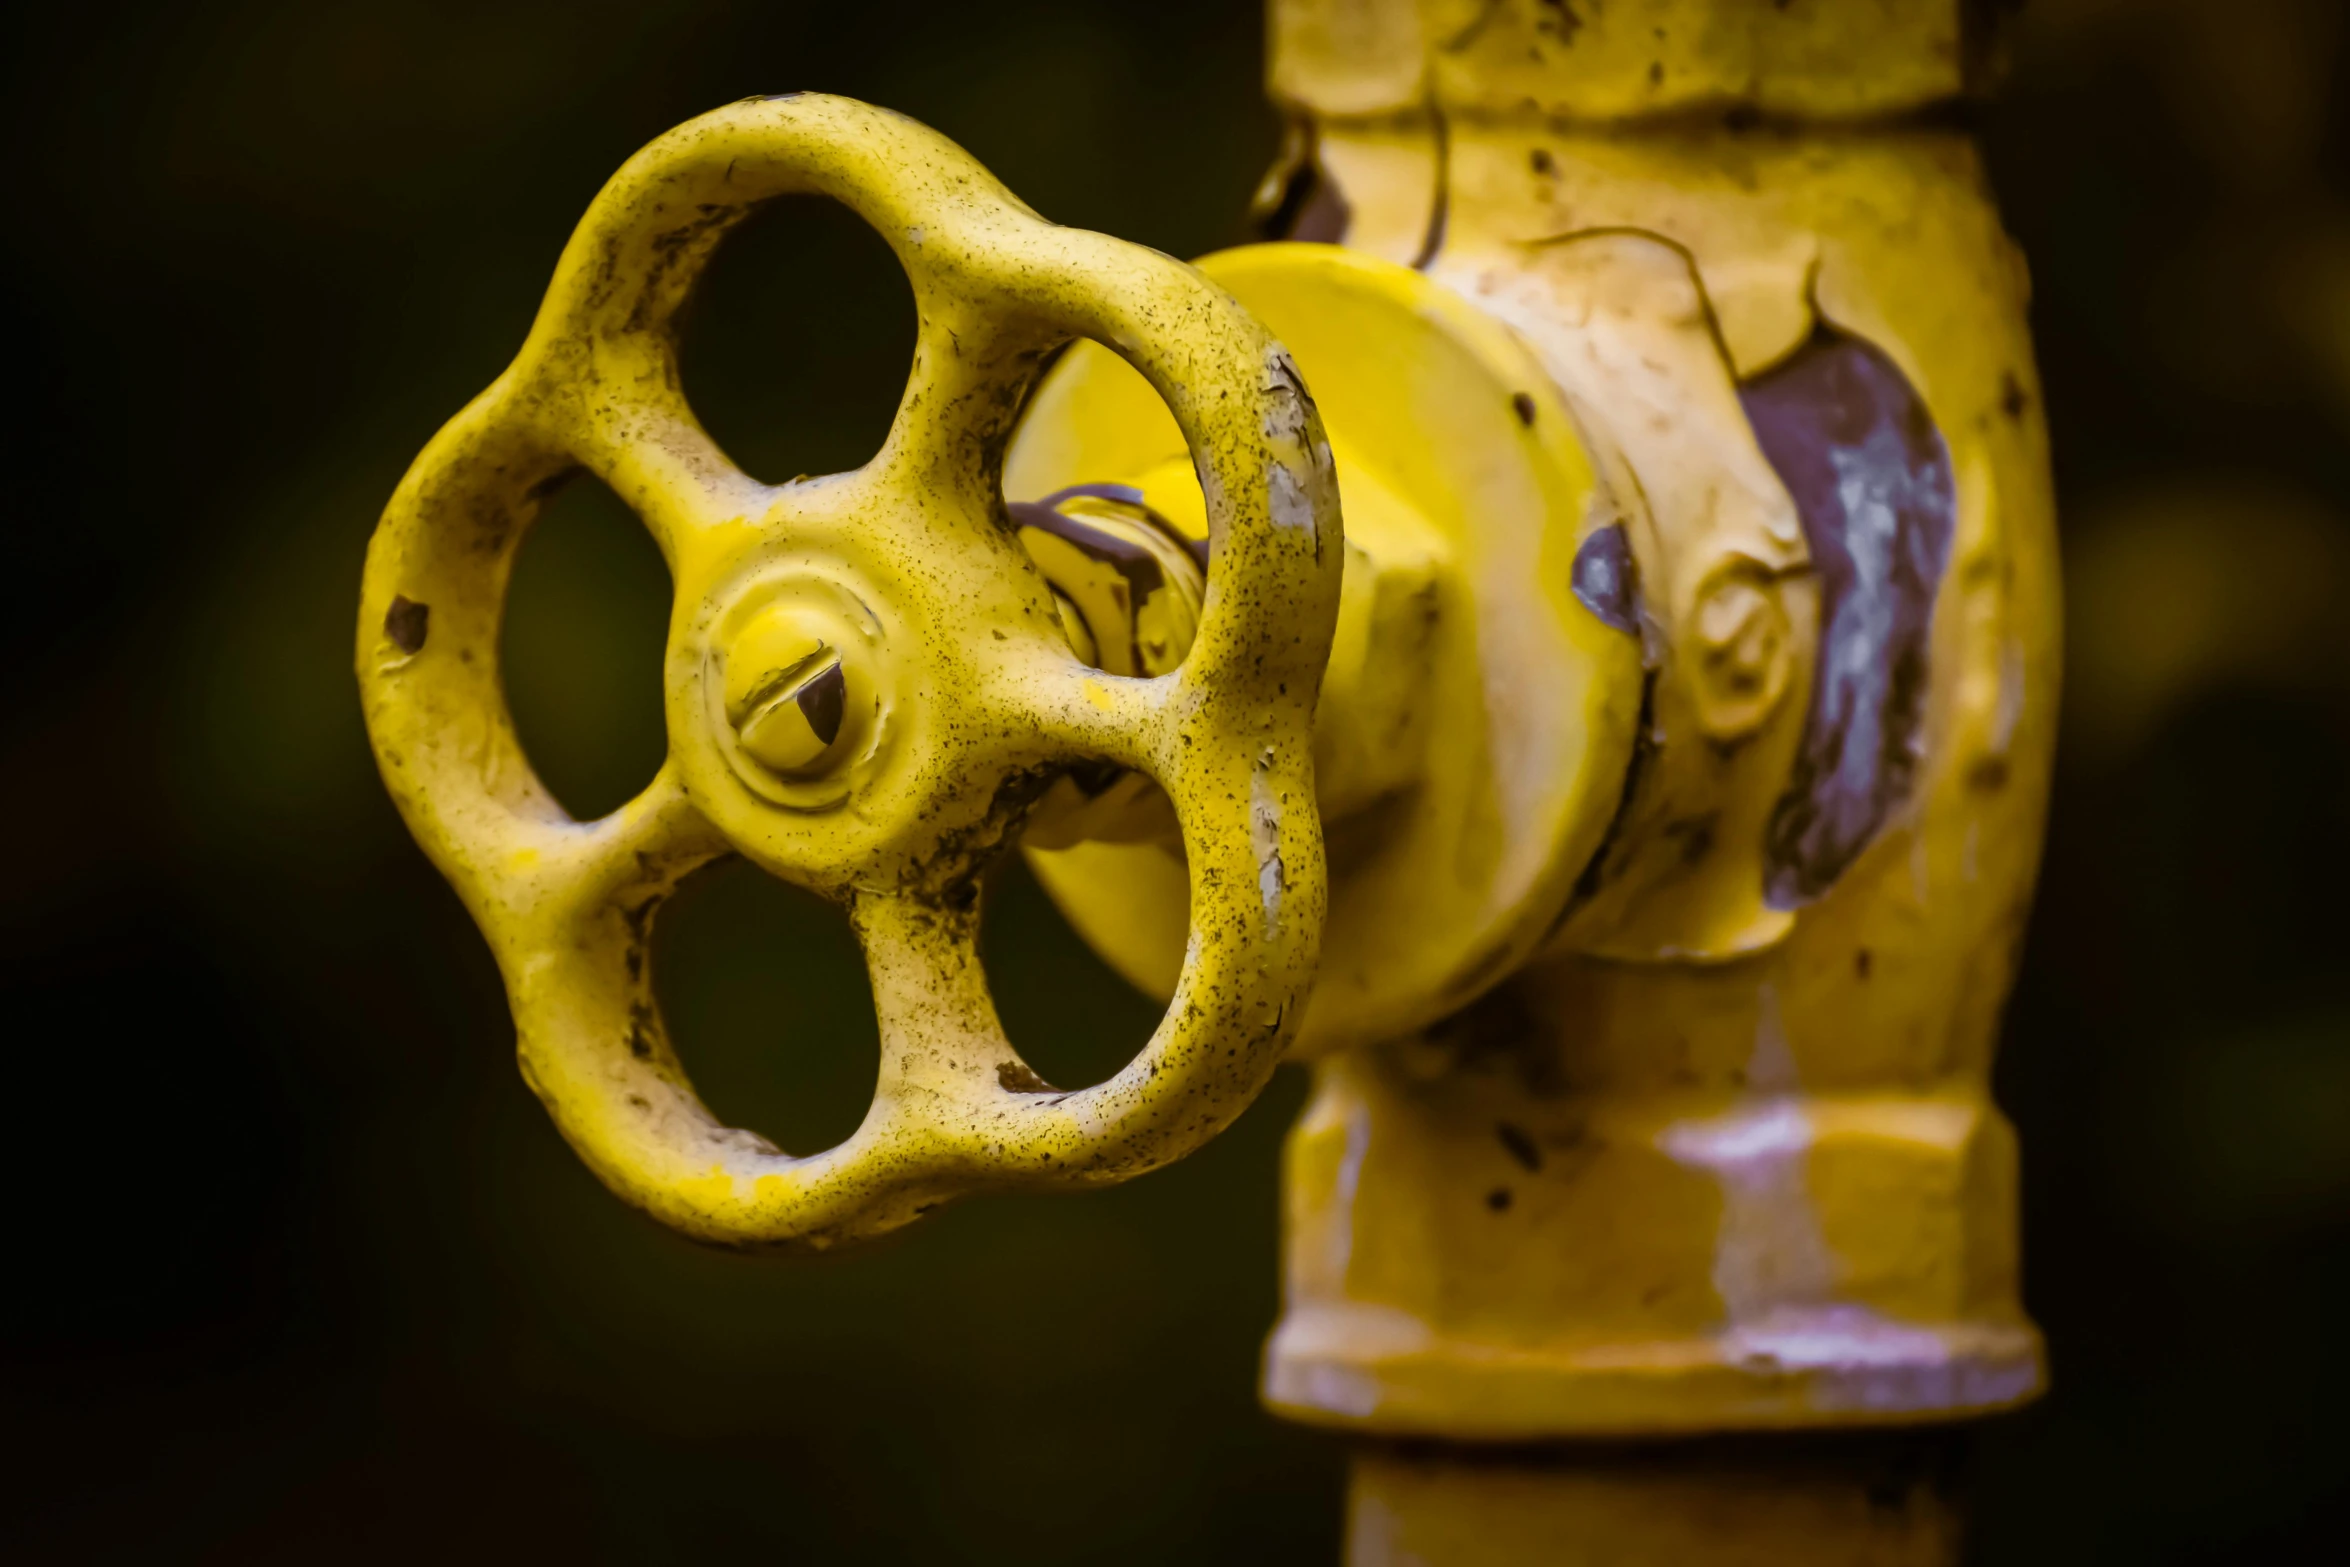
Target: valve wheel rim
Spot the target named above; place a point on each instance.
(980, 699)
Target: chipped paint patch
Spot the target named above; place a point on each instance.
(1871, 479)
(1287, 500)
(407, 623)
(1603, 578)
(1264, 827)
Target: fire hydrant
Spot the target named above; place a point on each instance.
(1564, 643)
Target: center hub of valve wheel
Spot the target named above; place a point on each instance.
(796, 687)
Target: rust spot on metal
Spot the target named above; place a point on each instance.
(406, 623)
(2013, 399)
(1019, 1078)
(1695, 835)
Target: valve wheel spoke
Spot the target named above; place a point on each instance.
(939, 1035)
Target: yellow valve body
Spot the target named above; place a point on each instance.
(1716, 1149)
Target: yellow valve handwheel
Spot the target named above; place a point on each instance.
(866, 683)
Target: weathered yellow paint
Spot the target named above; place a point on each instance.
(1714, 1160)
(1711, 1158)
(963, 698)
(1827, 1253)
(1636, 1113)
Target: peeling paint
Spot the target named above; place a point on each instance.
(1871, 479)
(1604, 576)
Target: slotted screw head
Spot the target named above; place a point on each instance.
(787, 693)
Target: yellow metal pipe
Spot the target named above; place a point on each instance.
(1842, 1502)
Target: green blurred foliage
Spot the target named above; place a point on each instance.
(304, 1273)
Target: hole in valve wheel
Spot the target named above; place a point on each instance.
(765, 992)
(798, 339)
(1073, 1020)
(587, 616)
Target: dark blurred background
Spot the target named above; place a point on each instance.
(303, 1272)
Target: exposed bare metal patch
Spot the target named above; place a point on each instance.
(1288, 501)
(1603, 578)
(1291, 496)
(1871, 479)
(1264, 827)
